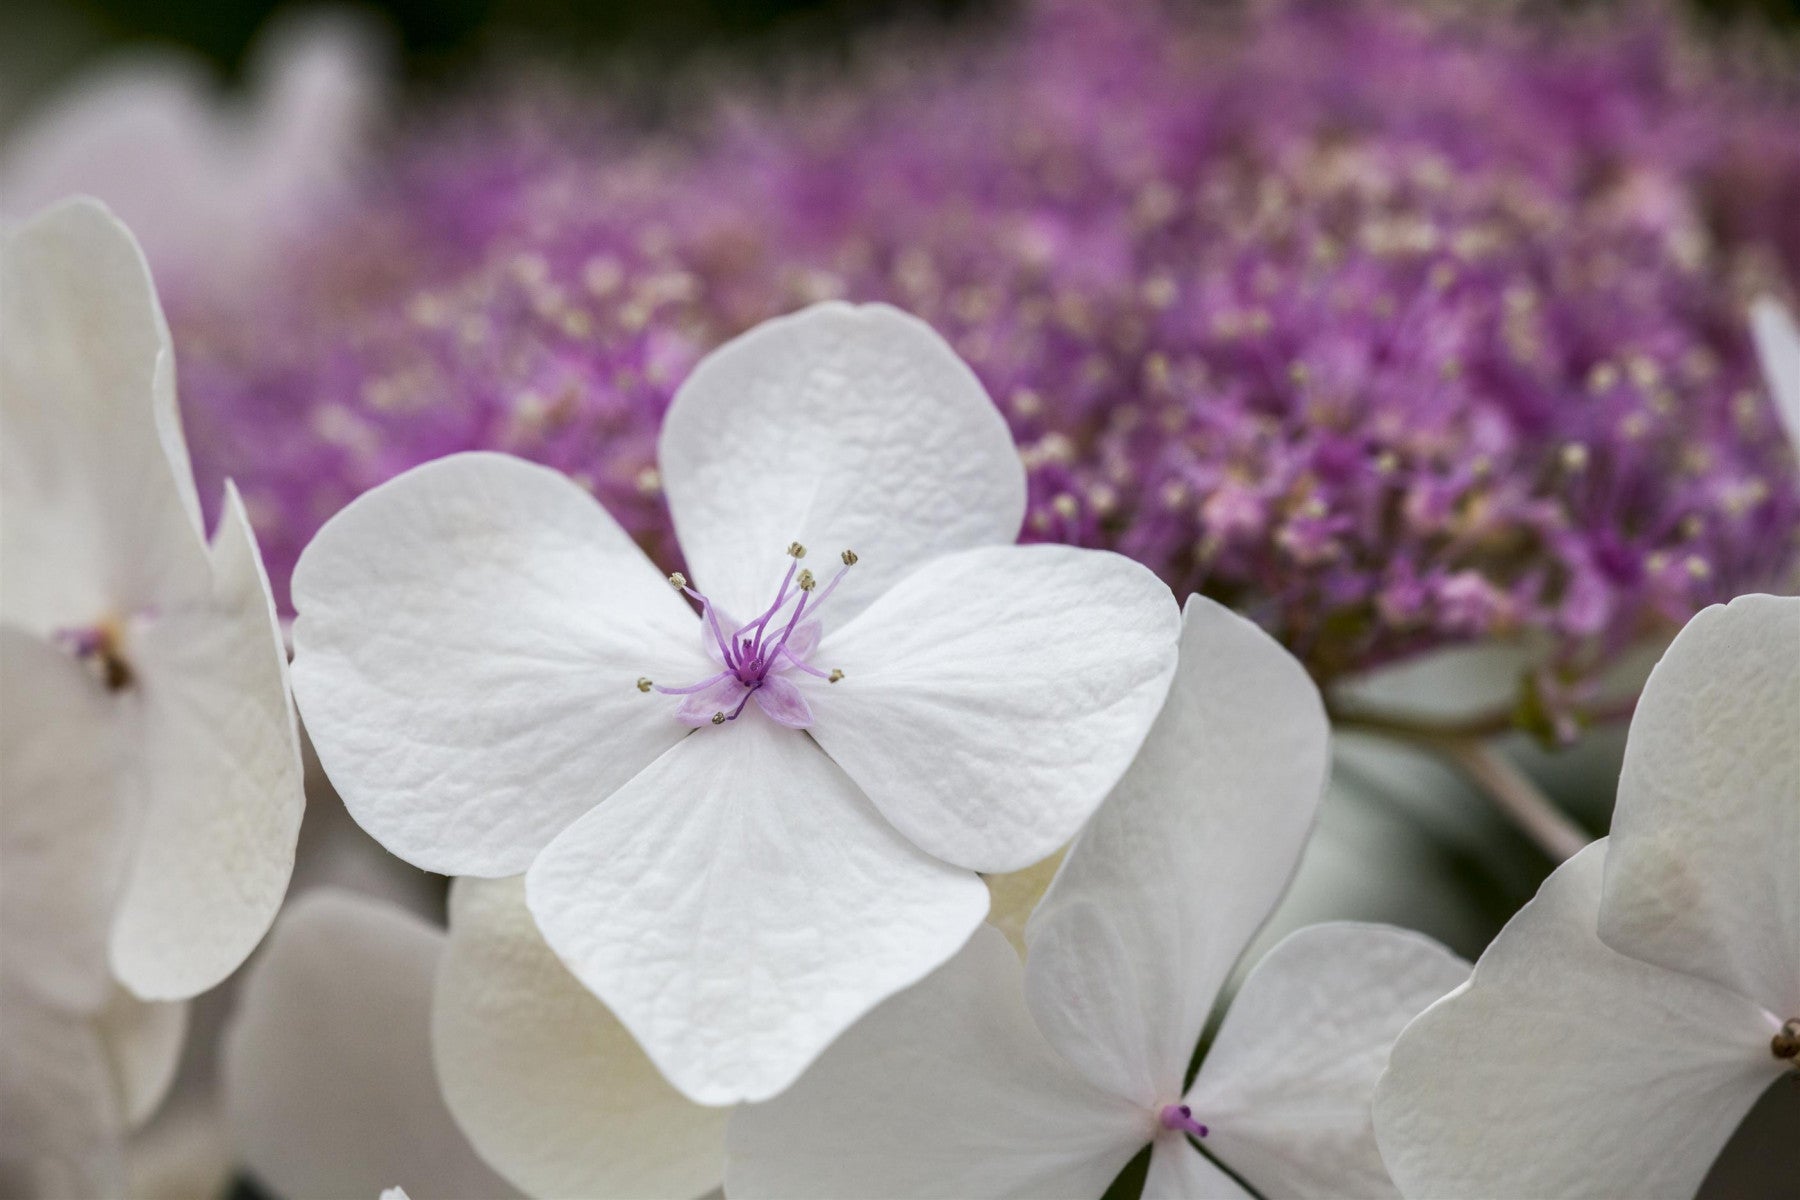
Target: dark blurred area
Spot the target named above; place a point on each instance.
(439, 38)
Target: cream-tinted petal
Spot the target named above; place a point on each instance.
(98, 516)
(945, 1090)
(327, 1073)
(1563, 1068)
(1180, 1172)
(1285, 1088)
(217, 753)
(547, 1084)
(1168, 883)
(143, 1041)
(66, 815)
(1704, 871)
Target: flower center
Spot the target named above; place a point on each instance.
(1180, 1116)
(1786, 1044)
(102, 647)
(758, 653)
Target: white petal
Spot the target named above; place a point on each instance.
(1565, 1069)
(844, 428)
(1286, 1086)
(1704, 871)
(1778, 346)
(1172, 877)
(223, 789)
(547, 1084)
(327, 1071)
(467, 651)
(740, 903)
(991, 698)
(945, 1090)
(65, 817)
(143, 1041)
(97, 509)
(1180, 1172)
(63, 1130)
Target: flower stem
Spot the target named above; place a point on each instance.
(1467, 746)
(1514, 794)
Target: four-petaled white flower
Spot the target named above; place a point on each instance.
(799, 783)
(1616, 1032)
(992, 1079)
(149, 758)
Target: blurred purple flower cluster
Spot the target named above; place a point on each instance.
(1392, 327)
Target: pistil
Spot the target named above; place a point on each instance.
(102, 645)
(1786, 1044)
(1180, 1116)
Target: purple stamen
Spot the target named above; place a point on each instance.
(1180, 1116)
(797, 664)
(781, 598)
(712, 619)
(691, 688)
(781, 646)
(749, 662)
(750, 691)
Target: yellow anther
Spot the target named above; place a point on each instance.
(834, 676)
(678, 581)
(806, 581)
(718, 718)
(1574, 456)
(796, 550)
(849, 557)
(644, 683)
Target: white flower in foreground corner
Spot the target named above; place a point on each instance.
(1622, 1024)
(989, 1079)
(546, 1083)
(328, 1084)
(150, 762)
(795, 809)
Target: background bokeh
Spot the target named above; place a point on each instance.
(41, 40)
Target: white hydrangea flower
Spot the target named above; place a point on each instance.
(547, 1084)
(996, 1079)
(477, 642)
(1616, 1032)
(150, 760)
(326, 1071)
(198, 176)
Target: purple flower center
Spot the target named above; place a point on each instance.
(1180, 1116)
(757, 655)
(1786, 1043)
(102, 646)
